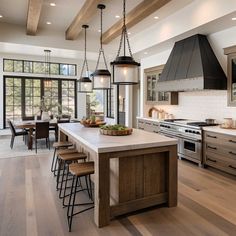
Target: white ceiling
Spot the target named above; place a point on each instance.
(15, 12)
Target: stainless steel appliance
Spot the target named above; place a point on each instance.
(189, 135)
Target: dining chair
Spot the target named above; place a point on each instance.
(15, 132)
(41, 132)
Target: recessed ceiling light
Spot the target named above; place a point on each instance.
(129, 33)
(156, 17)
(145, 53)
(52, 4)
(234, 18)
(48, 23)
(117, 16)
(1, 16)
(99, 31)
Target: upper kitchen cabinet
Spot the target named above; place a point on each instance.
(231, 72)
(153, 97)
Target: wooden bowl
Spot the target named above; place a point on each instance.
(116, 132)
(93, 125)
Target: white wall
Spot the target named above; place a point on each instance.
(196, 105)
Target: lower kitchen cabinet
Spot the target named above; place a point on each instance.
(220, 151)
(146, 125)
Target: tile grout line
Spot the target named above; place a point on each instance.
(31, 223)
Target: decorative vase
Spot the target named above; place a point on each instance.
(45, 116)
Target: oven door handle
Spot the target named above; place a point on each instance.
(190, 139)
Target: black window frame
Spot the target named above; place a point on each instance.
(23, 78)
(32, 71)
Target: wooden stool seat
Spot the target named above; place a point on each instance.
(66, 151)
(82, 169)
(72, 156)
(62, 144)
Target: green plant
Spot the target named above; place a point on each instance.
(114, 127)
(47, 104)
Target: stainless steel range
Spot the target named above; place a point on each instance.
(189, 135)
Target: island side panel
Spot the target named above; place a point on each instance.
(172, 177)
(102, 190)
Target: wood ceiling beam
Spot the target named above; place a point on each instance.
(140, 12)
(85, 14)
(34, 10)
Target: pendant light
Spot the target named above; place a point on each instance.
(85, 83)
(101, 77)
(125, 69)
(47, 79)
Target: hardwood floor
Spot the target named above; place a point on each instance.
(29, 205)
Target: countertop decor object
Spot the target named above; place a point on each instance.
(227, 127)
(92, 122)
(115, 130)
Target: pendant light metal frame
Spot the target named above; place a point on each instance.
(101, 73)
(126, 61)
(85, 79)
(47, 77)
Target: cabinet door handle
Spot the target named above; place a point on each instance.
(210, 136)
(211, 160)
(232, 141)
(141, 128)
(232, 167)
(214, 148)
(156, 132)
(233, 153)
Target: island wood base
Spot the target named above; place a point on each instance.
(126, 181)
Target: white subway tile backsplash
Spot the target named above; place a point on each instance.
(200, 105)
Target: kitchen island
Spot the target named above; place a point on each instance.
(131, 172)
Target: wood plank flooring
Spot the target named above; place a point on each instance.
(29, 205)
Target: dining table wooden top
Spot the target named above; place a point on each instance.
(27, 124)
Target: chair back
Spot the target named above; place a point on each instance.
(12, 128)
(42, 130)
(28, 118)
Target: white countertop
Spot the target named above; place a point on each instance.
(217, 129)
(92, 138)
(149, 119)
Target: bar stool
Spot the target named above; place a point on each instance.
(78, 170)
(64, 159)
(57, 146)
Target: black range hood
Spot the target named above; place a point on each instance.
(192, 65)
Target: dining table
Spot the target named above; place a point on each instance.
(30, 126)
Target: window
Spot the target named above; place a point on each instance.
(32, 96)
(37, 67)
(13, 98)
(23, 95)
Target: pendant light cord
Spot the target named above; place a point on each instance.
(101, 50)
(124, 35)
(85, 63)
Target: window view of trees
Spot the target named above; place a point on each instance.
(13, 105)
(37, 67)
(23, 96)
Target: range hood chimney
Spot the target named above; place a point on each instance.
(192, 65)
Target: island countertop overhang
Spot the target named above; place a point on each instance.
(99, 143)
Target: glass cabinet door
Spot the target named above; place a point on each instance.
(233, 80)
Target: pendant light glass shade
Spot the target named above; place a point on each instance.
(47, 78)
(85, 83)
(125, 70)
(101, 77)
